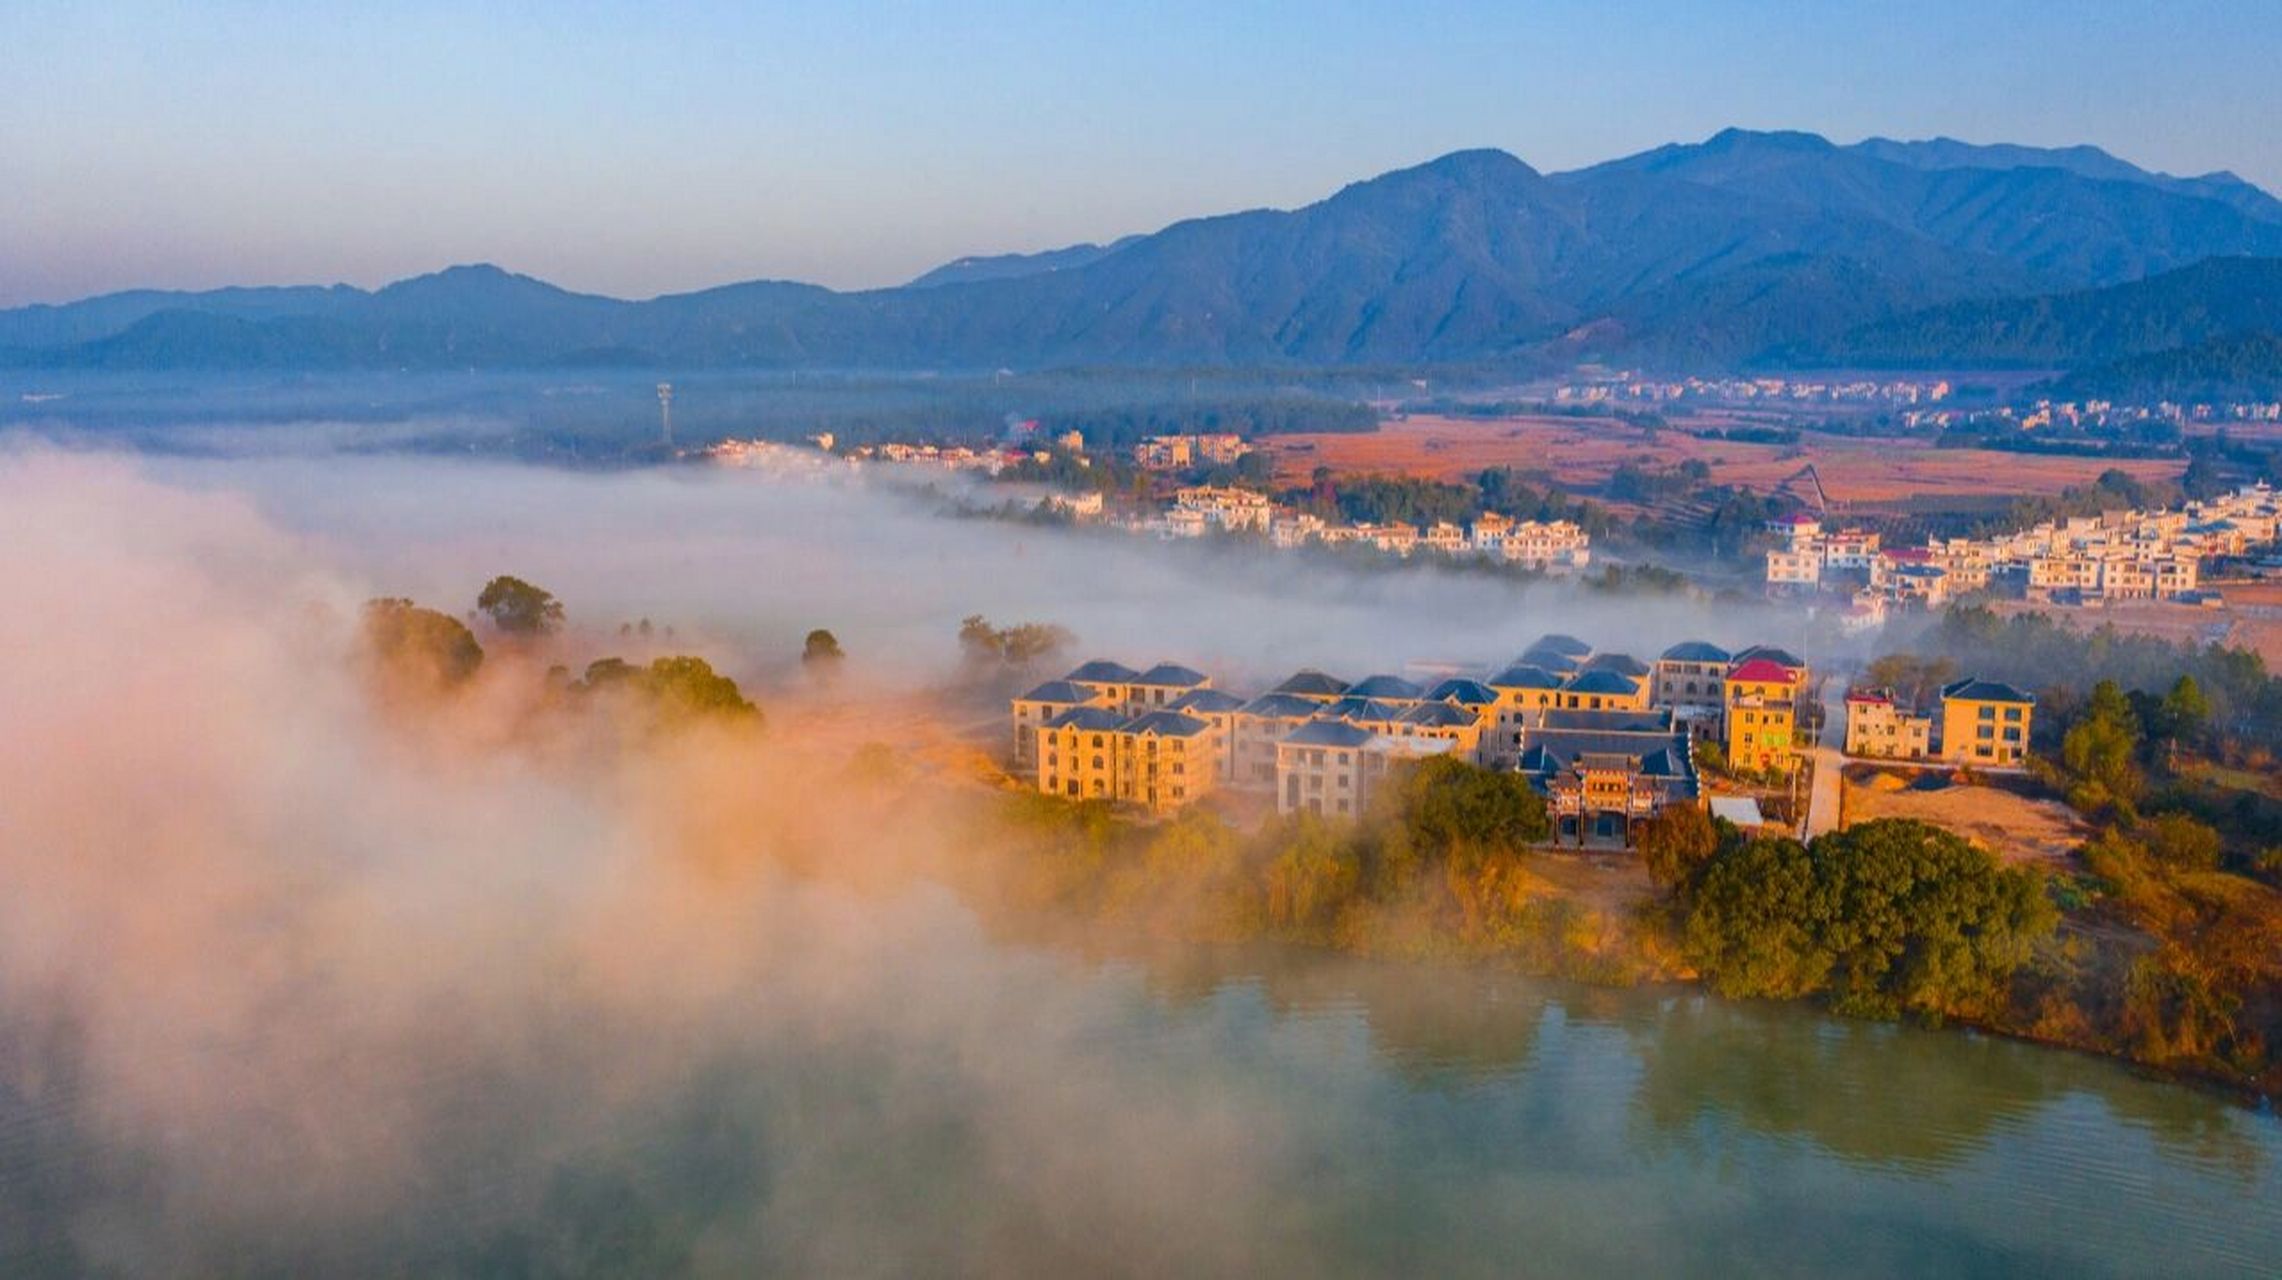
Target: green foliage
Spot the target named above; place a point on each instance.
(2099, 752)
(1677, 844)
(1887, 916)
(2180, 842)
(676, 690)
(519, 609)
(423, 646)
(821, 649)
(1021, 646)
(1454, 809)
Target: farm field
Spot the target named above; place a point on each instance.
(1855, 473)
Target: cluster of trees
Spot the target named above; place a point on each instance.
(2036, 652)
(415, 651)
(1505, 491)
(1884, 917)
(1019, 648)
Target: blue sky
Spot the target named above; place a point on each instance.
(643, 148)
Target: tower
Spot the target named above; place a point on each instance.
(666, 411)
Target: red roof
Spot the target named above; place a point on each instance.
(1800, 517)
(1869, 695)
(1909, 555)
(1764, 671)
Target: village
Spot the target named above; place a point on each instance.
(2080, 561)
(1608, 740)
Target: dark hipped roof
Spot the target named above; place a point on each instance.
(1437, 715)
(1603, 682)
(1526, 676)
(1311, 683)
(1560, 643)
(1354, 707)
(1172, 675)
(1328, 733)
(1771, 654)
(1551, 659)
(1458, 689)
(1061, 691)
(1216, 701)
(1090, 719)
(1696, 651)
(1282, 706)
(1973, 690)
(1103, 671)
(1167, 724)
(1656, 720)
(1383, 686)
(1621, 663)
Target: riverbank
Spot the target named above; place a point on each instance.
(2064, 970)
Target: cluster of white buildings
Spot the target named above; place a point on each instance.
(1639, 390)
(1550, 545)
(2119, 555)
(2094, 415)
(1179, 453)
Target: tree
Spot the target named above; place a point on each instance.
(1452, 807)
(1677, 843)
(675, 690)
(413, 647)
(821, 650)
(518, 608)
(2099, 751)
(2185, 710)
(1753, 928)
(2178, 841)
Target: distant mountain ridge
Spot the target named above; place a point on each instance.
(1735, 249)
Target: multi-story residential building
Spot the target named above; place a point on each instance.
(1110, 683)
(1985, 722)
(1444, 537)
(1162, 685)
(1691, 674)
(1159, 760)
(1237, 510)
(1217, 708)
(1256, 728)
(1033, 709)
(1761, 711)
(1878, 727)
(1332, 768)
(1604, 689)
(1524, 692)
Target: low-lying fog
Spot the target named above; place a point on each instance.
(753, 563)
(288, 989)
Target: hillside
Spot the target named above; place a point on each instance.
(2177, 309)
(1703, 255)
(2240, 367)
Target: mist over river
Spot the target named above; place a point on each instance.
(282, 995)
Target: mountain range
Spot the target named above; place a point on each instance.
(1745, 249)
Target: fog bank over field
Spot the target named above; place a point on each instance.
(752, 562)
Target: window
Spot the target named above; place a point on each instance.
(1988, 713)
(2012, 713)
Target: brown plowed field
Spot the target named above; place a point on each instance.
(1581, 453)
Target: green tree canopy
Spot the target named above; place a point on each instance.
(421, 646)
(1678, 843)
(821, 648)
(1889, 916)
(518, 608)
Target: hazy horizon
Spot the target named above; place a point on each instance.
(634, 157)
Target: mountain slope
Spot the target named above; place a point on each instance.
(2177, 309)
(1009, 266)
